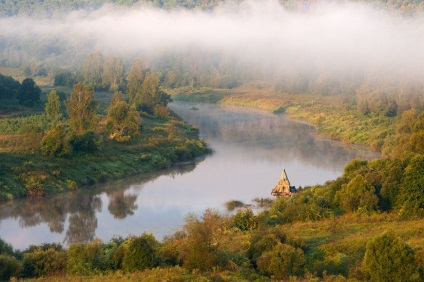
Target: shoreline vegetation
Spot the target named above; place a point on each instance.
(329, 232)
(59, 141)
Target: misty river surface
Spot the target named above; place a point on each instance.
(250, 150)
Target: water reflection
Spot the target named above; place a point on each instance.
(121, 205)
(251, 148)
(267, 137)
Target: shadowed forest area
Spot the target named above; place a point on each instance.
(76, 110)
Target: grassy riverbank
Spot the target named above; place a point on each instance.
(161, 144)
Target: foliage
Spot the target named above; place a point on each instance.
(56, 142)
(409, 136)
(87, 142)
(233, 204)
(140, 253)
(52, 107)
(124, 120)
(8, 87)
(149, 97)
(44, 262)
(358, 195)
(245, 220)
(9, 267)
(201, 250)
(412, 187)
(29, 93)
(135, 79)
(282, 262)
(85, 259)
(387, 258)
(80, 109)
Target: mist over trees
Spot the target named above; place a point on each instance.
(376, 69)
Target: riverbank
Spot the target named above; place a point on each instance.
(162, 143)
(333, 116)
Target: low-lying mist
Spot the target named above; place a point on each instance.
(332, 37)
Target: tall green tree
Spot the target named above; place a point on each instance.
(80, 109)
(92, 69)
(52, 107)
(123, 121)
(151, 96)
(113, 73)
(135, 79)
(29, 93)
(8, 87)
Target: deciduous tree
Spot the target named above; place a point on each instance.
(80, 109)
(53, 105)
(123, 121)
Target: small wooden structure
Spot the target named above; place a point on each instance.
(283, 188)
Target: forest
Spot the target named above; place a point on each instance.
(366, 225)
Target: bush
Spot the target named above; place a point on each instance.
(141, 253)
(86, 259)
(88, 142)
(412, 186)
(55, 142)
(358, 195)
(261, 242)
(201, 250)
(9, 267)
(245, 220)
(41, 262)
(282, 262)
(387, 258)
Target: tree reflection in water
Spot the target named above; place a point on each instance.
(121, 205)
(79, 209)
(82, 219)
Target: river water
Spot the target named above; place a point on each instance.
(250, 150)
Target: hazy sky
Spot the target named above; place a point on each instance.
(328, 35)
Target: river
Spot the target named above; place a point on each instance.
(250, 150)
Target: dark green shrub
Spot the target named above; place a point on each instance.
(140, 253)
(6, 248)
(358, 195)
(282, 262)
(41, 262)
(55, 142)
(262, 241)
(88, 142)
(9, 267)
(387, 258)
(412, 187)
(245, 220)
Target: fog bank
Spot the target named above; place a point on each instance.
(326, 36)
